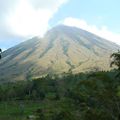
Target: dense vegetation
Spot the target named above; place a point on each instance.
(90, 96)
(83, 96)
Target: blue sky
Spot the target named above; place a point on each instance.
(23, 19)
(98, 12)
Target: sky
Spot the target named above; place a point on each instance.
(21, 20)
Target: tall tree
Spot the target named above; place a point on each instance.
(116, 60)
(0, 53)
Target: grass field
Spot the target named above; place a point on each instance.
(18, 110)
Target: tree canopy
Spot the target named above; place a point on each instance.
(0, 53)
(116, 60)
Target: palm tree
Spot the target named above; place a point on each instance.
(116, 60)
(0, 53)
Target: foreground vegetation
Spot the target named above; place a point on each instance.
(84, 96)
(90, 96)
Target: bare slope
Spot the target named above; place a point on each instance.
(62, 49)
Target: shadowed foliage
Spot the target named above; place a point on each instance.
(116, 61)
(0, 53)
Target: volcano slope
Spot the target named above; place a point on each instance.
(62, 49)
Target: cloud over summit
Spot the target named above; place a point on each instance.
(26, 18)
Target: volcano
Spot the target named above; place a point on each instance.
(62, 49)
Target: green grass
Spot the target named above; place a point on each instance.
(13, 110)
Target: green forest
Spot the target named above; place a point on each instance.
(85, 96)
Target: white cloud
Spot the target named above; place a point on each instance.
(31, 17)
(23, 19)
(103, 31)
(3, 49)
